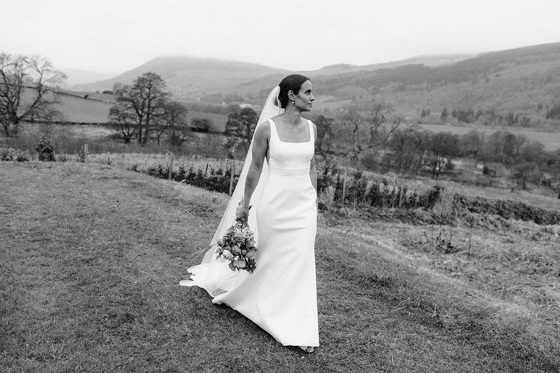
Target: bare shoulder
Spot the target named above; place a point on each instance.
(263, 130)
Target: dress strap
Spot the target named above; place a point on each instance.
(311, 132)
(273, 131)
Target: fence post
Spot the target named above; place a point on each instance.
(85, 152)
(170, 168)
(231, 178)
(344, 187)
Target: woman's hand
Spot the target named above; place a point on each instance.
(242, 212)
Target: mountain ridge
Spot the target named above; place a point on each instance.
(191, 77)
(186, 67)
(516, 82)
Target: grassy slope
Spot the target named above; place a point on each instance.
(91, 257)
(81, 110)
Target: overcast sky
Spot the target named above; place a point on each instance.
(118, 35)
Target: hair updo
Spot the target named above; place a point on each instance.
(290, 83)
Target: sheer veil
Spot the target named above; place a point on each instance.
(270, 109)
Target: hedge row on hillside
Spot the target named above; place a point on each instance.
(359, 191)
(210, 179)
(366, 194)
(506, 209)
(362, 192)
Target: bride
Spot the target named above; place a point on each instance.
(277, 194)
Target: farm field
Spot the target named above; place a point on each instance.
(81, 110)
(96, 111)
(551, 140)
(93, 254)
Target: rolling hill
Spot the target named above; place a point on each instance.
(190, 78)
(76, 77)
(518, 82)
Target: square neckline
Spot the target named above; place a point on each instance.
(294, 142)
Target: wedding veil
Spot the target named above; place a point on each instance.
(270, 109)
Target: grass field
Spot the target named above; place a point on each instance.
(82, 110)
(550, 140)
(91, 257)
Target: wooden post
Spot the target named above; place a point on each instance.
(344, 186)
(85, 152)
(231, 178)
(170, 168)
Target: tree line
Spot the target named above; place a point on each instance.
(372, 136)
(28, 91)
(369, 133)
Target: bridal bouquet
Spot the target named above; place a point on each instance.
(238, 246)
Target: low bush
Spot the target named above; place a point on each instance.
(45, 148)
(506, 209)
(10, 154)
(216, 180)
(360, 191)
(7, 153)
(22, 156)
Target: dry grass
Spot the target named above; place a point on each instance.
(91, 257)
(69, 139)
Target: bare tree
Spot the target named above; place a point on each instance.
(380, 124)
(324, 142)
(408, 146)
(28, 90)
(240, 127)
(125, 122)
(143, 102)
(366, 126)
(352, 129)
(175, 121)
(444, 146)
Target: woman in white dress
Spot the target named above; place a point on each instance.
(277, 193)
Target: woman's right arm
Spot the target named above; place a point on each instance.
(260, 148)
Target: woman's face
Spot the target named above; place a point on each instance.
(304, 99)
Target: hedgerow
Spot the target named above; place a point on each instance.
(374, 195)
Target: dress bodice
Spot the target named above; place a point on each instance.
(290, 155)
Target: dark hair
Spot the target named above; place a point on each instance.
(290, 83)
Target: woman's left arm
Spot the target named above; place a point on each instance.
(312, 167)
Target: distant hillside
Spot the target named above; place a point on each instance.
(190, 78)
(435, 60)
(521, 81)
(76, 77)
(258, 89)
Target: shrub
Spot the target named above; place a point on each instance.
(82, 154)
(45, 148)
(62, 158)
(23, 157)
(210, 179)
(7, 153)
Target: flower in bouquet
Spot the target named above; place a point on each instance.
(238, 246)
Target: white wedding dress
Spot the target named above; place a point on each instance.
(281, 294)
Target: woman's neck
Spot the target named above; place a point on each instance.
(292, 116)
